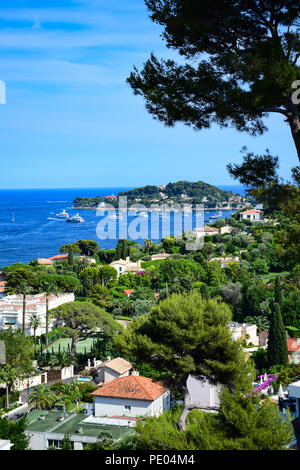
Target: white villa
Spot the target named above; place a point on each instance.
(131, 397)
(241, 330)
(202, 231)
(126, 266)
(11, 310)
(224, 262)
(113, 369)
(254, 215)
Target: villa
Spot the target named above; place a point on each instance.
(2, 289)
(113, 369)
(203, 231)
(245, 331)
(131, 397)
(11, 310)
(254, 215)
(224, 262)
(44, 262)
(226, 229)
(126, 266)
(159, 256)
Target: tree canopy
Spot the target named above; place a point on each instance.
(242, 59)
(83, 318)
(186, 334)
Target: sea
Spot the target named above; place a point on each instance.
(30, 229)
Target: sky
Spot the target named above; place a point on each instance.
(71, 120)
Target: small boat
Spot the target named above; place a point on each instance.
(63, 215)
(76, 219)
(13, 217)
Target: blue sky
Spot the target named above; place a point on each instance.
(72, 121)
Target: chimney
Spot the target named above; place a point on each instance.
(128, 259)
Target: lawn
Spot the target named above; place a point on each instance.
(266, 278)
(63, 342)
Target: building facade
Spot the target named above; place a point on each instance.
(11, 310)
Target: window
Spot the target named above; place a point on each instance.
(127, 408)
(52, 443)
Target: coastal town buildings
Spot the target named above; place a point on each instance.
(48, 428)
(11, 310)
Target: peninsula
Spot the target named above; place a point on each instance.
(182, 192)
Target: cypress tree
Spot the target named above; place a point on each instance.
(278, 291)
(70, 257)
(277, 343)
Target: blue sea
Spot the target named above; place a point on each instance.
(38, 233)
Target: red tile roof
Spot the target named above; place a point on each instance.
(129, 291)
(293, 344)
(132, 386)
(44, 261)
(58, 257)
(252, 211)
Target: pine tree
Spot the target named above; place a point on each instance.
(277, 343)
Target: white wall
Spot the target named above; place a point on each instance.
(203, 392)
(111, 406)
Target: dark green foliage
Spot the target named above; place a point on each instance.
(256, 170)
(66, 443)
(242, 424)
(86, 389)
(241, 62)
(14, 431)
(105, 442)
(277, 341)
(260, 358)
(278, 292)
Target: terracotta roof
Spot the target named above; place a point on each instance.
(57, 257)
(206, 229)
(293, 344)
(129, 291)
(160, 256)
(132, 386)
(44, 261)
(119, 261)
(252, 211)
(119, 365)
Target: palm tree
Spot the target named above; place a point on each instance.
(61, 360)
(42, 398)
(23, 289)
(35, 322)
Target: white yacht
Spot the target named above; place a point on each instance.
(76, 219)
(63, 215)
